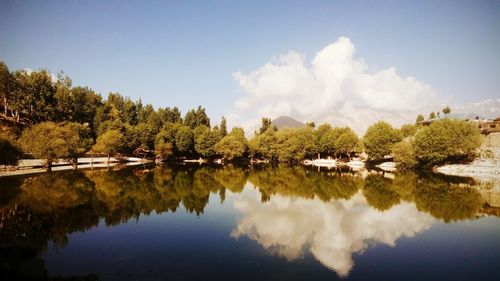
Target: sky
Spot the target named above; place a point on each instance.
(245, 59)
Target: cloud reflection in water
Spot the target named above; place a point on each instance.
(332, 231)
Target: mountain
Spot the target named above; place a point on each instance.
(287, 122)
(488, 108)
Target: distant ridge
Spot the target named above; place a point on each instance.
(286, 122)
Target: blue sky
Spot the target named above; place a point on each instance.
(184, 53)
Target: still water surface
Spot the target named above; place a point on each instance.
(233, 223)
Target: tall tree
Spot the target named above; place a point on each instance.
(223, 127)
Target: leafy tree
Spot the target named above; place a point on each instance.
(49, 141)
(184, 140)
(109, 143)
(77, 146)
(196, 118)
(5, 81)
(163, 150)
(420, 118)
(10, 151)
(233, 145)
(294, 144)
(263, 145)
(266, 123)
(446, 140)
(432, 115)
(223, 127)
(404, 155)
(34, 96)
(347, 142)
(446, 110)
(379, 139)
(206, 141)
(408, 130)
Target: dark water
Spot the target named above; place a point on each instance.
(246, 224)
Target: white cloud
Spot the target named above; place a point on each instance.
(331, 231)
(333, 80)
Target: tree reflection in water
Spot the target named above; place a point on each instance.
(335, 214)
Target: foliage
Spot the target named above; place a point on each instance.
(420, 118)
(110, 142)
(446, 140)
(432, 115)
(408, 130)
(379, 139)
(205, 142)
(446, 110)
(10, 151)
(51, 141)
(404, 154)
(233, 145)
(184, 141)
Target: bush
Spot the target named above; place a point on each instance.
(404, 155)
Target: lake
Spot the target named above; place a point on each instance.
(242, 223)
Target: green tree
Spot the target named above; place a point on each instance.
(408, 130)
(49, 141)
(266, 123)
(446, 110)
(432, 115)
(206, 141)
(346, 143)
(420, 118)
(233, 145)
(379, 139)
(447, 141)
(109, 143)
(77, 146)
(5, 81)
(184, 140)
(223, 127)
(163, 150)
(404, 154)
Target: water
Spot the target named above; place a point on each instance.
(191, 223)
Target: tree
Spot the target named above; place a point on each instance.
(163, 150)
(266, 123)
(49, 141)
(77, 146)
(232, 145)
(205, 143)
(432, 115)
(408, 130)
(5, 81)
(446, 110)
(404, 154)
(10, 151)
(379, 139)
(184, 140)
(196, 118)
(109, 143)
(346, 143)
(223, 127)
(447, 140)
(420, 118)
(294, 144)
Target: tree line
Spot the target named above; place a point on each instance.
(49, 118)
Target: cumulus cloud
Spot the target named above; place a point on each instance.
(332, 231)
(334, 79)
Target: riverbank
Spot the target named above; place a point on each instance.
(486, 167)
(34, 166)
